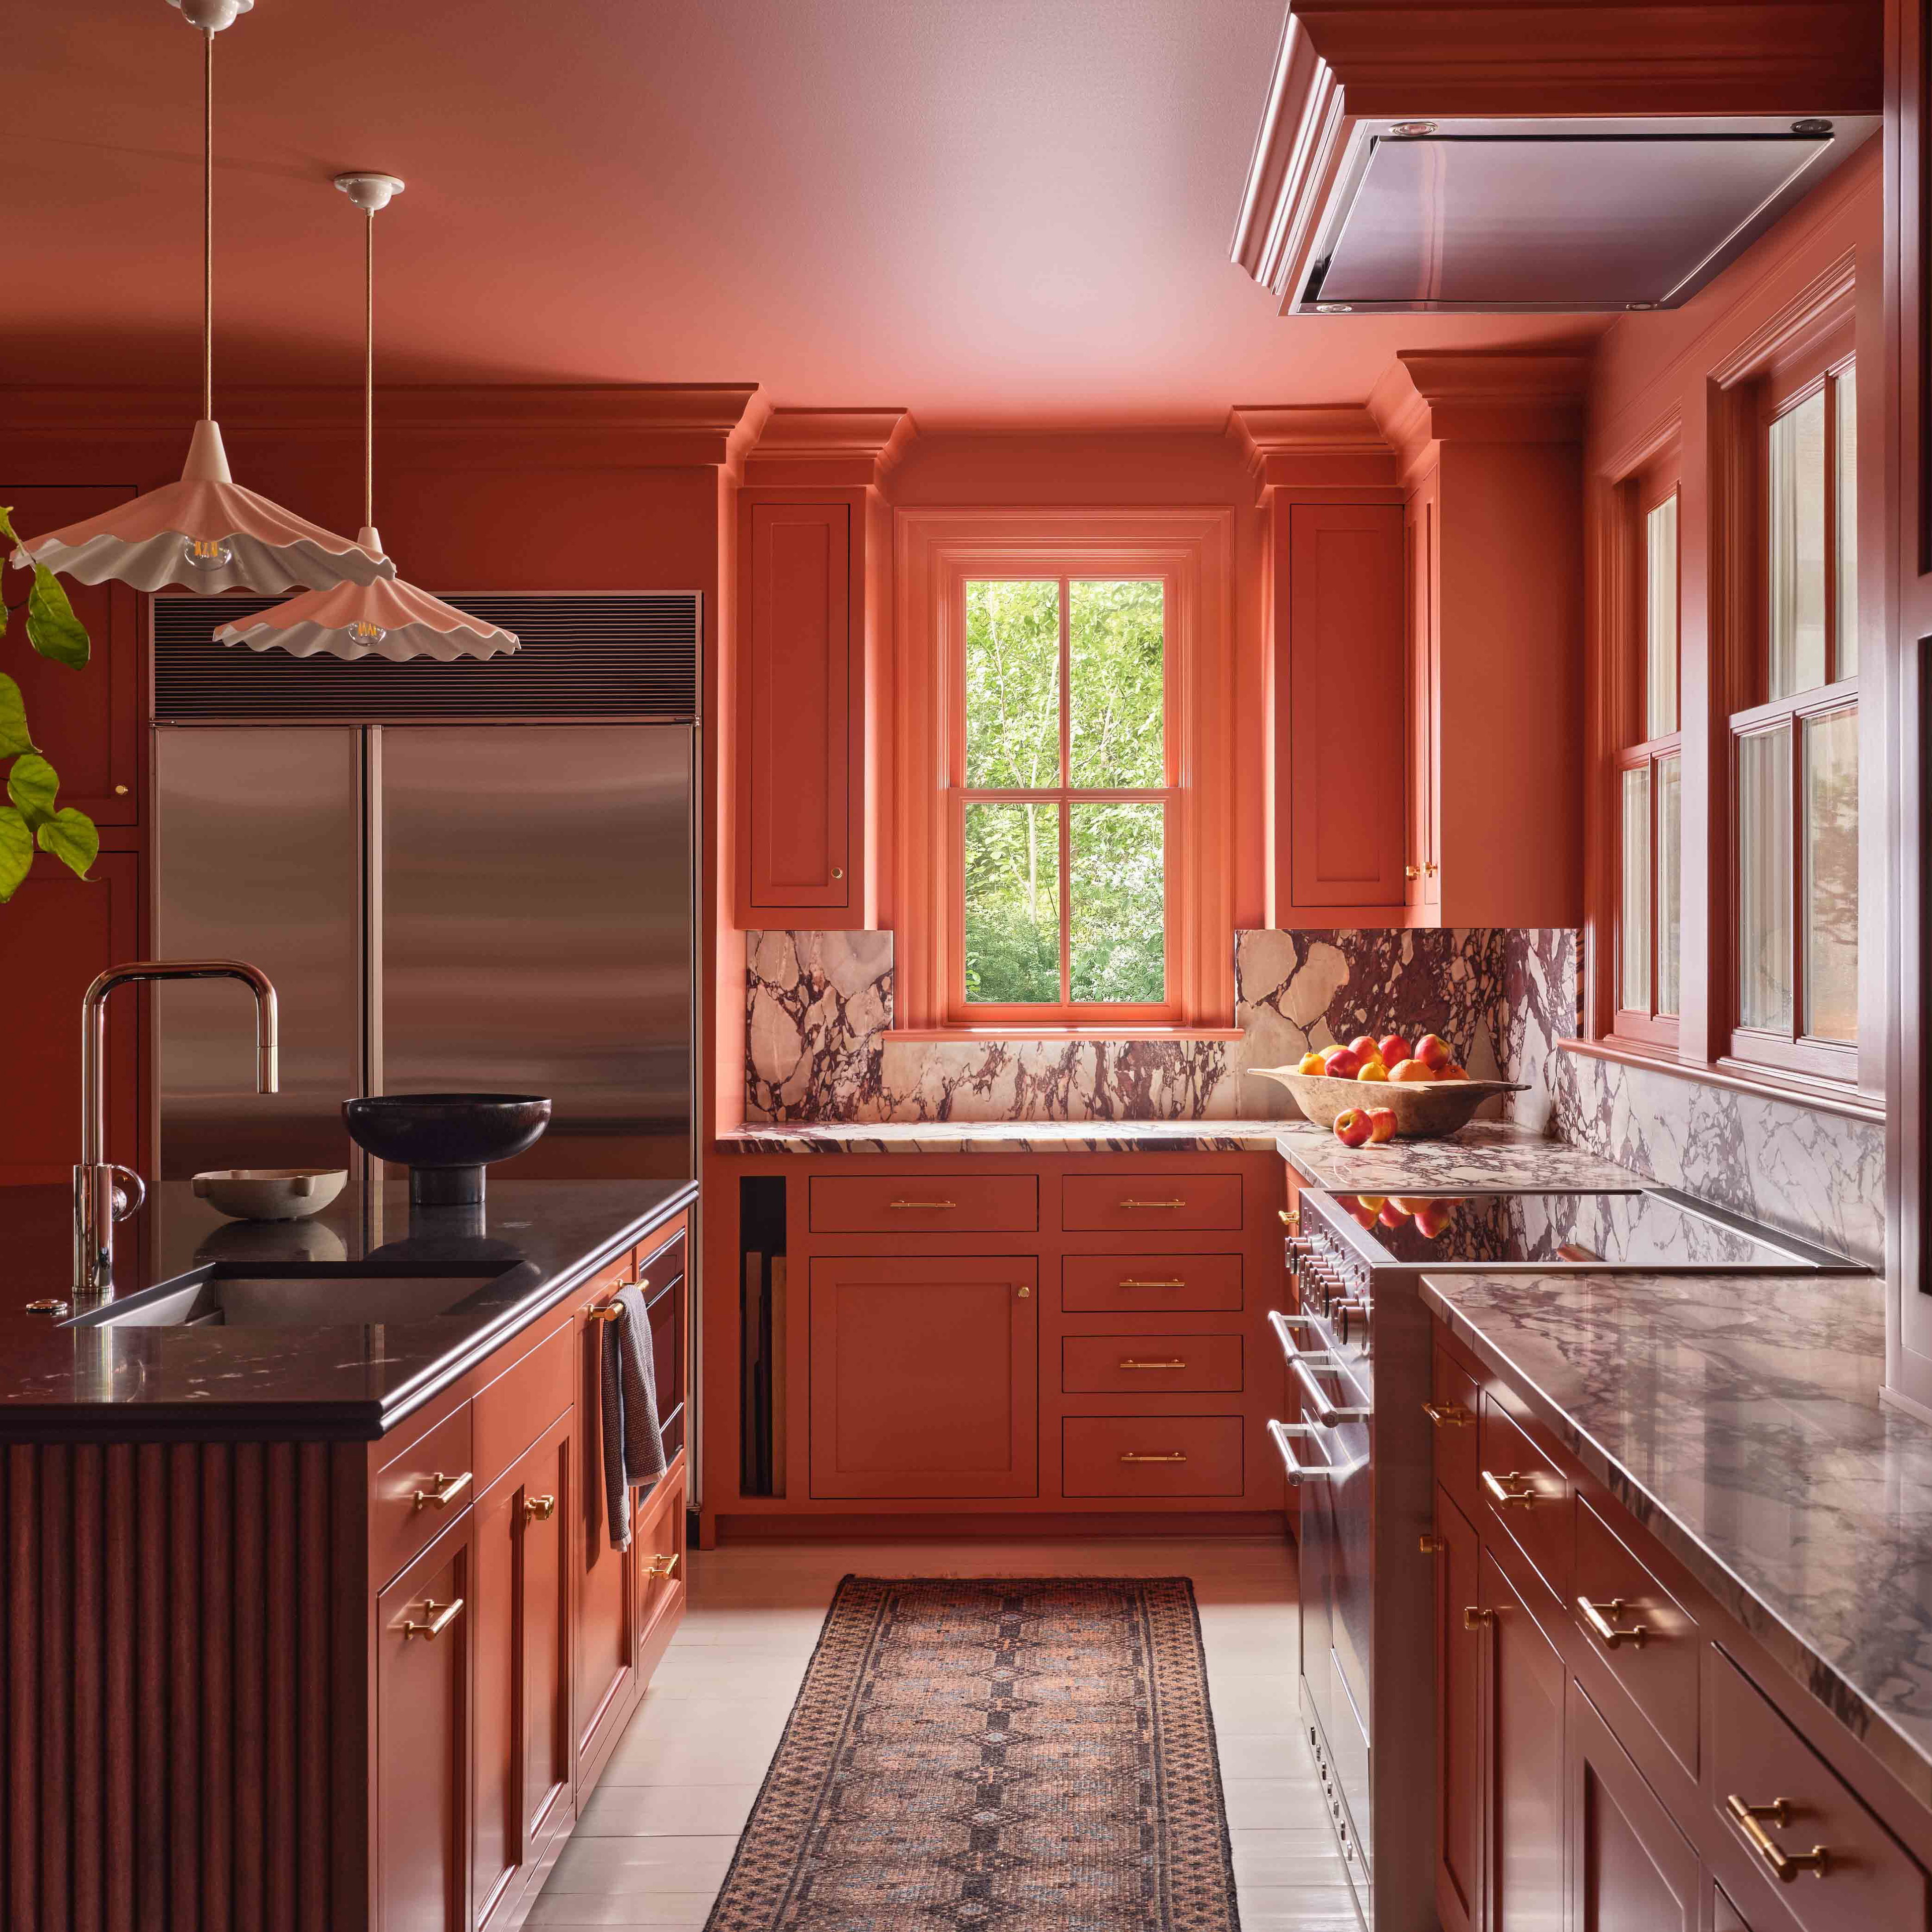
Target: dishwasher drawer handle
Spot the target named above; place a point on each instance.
(1600, 1618)
(440, 1617)
(1447, 1414)
(1523, 1498)
(1785, 1865)
(443, 1490)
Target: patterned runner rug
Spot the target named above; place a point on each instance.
(1032, 1753)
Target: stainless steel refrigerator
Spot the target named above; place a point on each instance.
(474, 907)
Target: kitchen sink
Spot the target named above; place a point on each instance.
(239, 1297)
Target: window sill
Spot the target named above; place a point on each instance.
(985, 1033)
(1737, 1076)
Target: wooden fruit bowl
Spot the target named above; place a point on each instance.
(1424, 1110)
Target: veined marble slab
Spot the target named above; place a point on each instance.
(1481, 1158)
(1738, 1417)
(1006, 1137)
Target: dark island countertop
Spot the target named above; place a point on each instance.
(537, 1239)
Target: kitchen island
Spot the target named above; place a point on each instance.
(327, 1625)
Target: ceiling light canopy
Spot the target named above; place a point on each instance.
(379, 618)
(204, 531)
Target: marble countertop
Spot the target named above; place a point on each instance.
(1738, 1417)
(535, 1238)
(1481, 1158)
(1005, 1137)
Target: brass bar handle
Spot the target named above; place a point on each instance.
(1785, 1865)
(1173, 1362)
(540, 1509)
(1172, 1456)
(1598, 1615)
(610, 1311)
(922, 1203)
(661, 1566)
(1153, 1203)
(1130, 1283)
(440, 1615)
(1475, 1619)
(1523, 1497)
(1430, 1545)
(1290, 1218)
(443, 1491)
(1447, 1414)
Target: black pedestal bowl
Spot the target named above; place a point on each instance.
(445, 1140)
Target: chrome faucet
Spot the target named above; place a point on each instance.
(104, 1193)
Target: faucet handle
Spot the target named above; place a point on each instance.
(131, 1191)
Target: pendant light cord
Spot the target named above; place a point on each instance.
(208, 227)
(369, 372)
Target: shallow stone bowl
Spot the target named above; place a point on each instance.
(270, 1193)
(1424, 1110)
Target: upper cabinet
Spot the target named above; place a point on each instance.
(812, 567)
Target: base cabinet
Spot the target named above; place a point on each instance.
(1458, 1735)
(1523, 1705)
(1631, 1869)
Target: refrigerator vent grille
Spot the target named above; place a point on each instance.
(616, 659)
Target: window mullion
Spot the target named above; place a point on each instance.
(1065, 809)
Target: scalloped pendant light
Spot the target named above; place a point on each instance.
(205, 532)
(386, 618)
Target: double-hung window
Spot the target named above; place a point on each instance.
(1794, 743)
(1064, 797)
(1649, 783)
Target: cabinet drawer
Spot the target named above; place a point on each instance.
(1150, 1364)
(404, 1512)
(925, 1203)
(657, 1268)
(1141, 1201)
(1454, 1406)
(1149, 1284)
(1757, 1758)
(1150, 1456)
(1658, 1668)
(515, 1409)
(660, 1536)
(1522, 1489)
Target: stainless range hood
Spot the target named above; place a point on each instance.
(1493, 216)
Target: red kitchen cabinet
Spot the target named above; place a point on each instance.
(1459, 1728)
(1631, 1869)
(1524, 1787)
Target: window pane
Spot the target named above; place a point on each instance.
(1116, 637)
(1660, 620)
(1634, 978)
(1796, 510)
(1669, 882)
(1013, 903)
(1117, 913)
(1013, 685)
(1831, 876)
(1846, 390)
(1764, 880)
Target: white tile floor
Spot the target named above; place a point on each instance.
(655, 1840)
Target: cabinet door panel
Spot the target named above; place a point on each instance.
(422, 1740)
(797, 708)
(1524, 1792)
(1458, 1690)
(925, 1377)
(1344, 688)
(1630, 1869)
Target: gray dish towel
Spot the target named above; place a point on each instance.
(633, 1436)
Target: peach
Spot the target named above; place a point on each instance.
(1455, 1070)
(1432, 1050)
(1372, 1070)
(1381, 1125)
(1341, 1062)
(1352, 1129)
(1312, 1063)
(1393, 1047)
(1407, 1071)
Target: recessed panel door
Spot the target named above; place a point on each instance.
(1526, 1764)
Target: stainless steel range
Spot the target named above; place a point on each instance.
(1357, 1340)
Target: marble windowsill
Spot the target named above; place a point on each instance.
(1739, 1418)
(1737, 1076)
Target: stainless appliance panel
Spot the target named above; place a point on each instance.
(258, 856)
(537, 931)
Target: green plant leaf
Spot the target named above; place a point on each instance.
(14, 738)
(32, 785)
(53, 628)
(70, 835)
(16, 851)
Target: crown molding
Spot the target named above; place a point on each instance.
(845, 447)
(1289, 444)
(1480, 395)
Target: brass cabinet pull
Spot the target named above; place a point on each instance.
(1412, 871)
(1290, 1218)
(1153, 1203)
(1429, 869)
(1171, 1456)
(540, 1509)
(1447, 1415)
(1598, 1615)
(1785, 1865)
(1474, 1619)
(610, 1311)
(443, 1490)
(661, 1566)
(1430, 1545)
(1023, 1291)
(440, 1617)
(1523, 1497)
(1130, 1283)
(1175, 1362)
(922, 1203)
